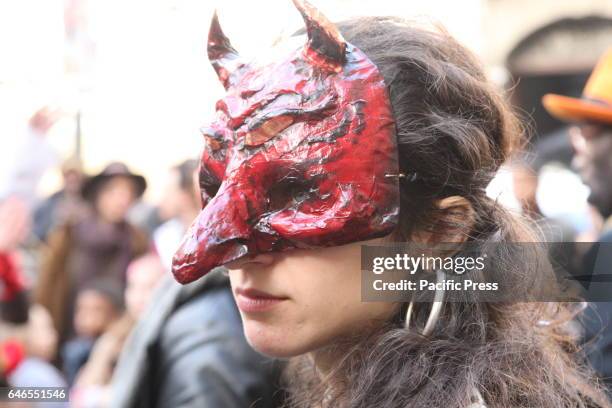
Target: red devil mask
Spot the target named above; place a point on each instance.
(301, 154)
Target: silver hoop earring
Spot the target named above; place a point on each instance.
(436, 307)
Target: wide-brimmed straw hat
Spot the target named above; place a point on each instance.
(116, 169)
(595, 105)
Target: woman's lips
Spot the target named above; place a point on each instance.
(254, 301)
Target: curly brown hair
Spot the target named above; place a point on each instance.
(454, 131)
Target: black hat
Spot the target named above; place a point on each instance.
(116, 169)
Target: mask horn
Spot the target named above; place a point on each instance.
(223, 57)
(323, 36)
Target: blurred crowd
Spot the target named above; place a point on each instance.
(89, 268)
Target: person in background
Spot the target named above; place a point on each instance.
(39, 341)
(144, 276)
(28, 340)
(180, 205)
(14, 227)
(21, 168)
(11, 355)
(97, 308)
(591, 137)
(26, 357)
(41, 338)
(65, 205)
(555, 57)
(91, 388)
(98, 247)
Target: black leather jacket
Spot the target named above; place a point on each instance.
(190, 351)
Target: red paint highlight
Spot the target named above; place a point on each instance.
(297, 155)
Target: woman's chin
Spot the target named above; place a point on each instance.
(274, 341)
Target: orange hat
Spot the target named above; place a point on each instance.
(596, 102)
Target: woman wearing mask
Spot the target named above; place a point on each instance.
(374, 131)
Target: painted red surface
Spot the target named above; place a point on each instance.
(298, 155)
(11, 280)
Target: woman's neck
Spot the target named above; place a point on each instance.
(328, 358)
(327, 362)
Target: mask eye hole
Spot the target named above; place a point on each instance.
(288, 192)
(210, 191)
(209, 185)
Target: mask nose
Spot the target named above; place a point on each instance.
(224, 230)
(217, 236)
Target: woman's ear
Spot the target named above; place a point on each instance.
(456, 219)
